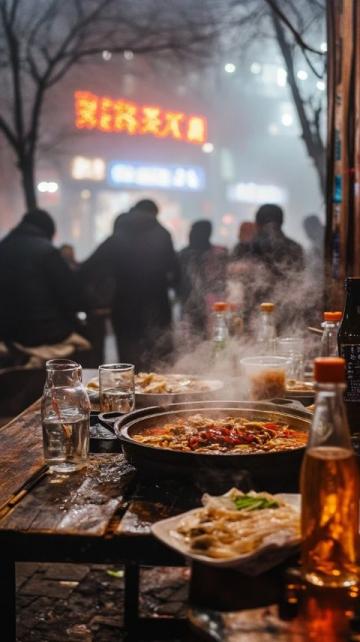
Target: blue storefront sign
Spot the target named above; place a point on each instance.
(173, 177)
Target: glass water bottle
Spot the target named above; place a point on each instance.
(266, 335)
(65, 413)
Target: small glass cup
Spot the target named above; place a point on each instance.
(265, 376)
(65, 415)
(117, 387)
(293, 349)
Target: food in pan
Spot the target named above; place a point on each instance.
(152, 383)
(238, 524)
(229, 435)
(299, 386)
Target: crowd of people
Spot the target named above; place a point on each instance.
(45, 291)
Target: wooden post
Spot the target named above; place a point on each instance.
(342, 252)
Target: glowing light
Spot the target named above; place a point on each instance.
(48, 186)
(85, 194)
(256, 194)
(208, 148)
(92, 169)
(273, 129)
(228, 219)
(287, 120)
(255, 68)
(321, 85)
(128, 54)
(281, 77)
(230, 68)
(122, 116)
(302, 74)
(106, 55)
(323, 47)
(183, 177)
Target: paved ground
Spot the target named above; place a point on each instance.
(77, 603)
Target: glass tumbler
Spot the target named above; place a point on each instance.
(293, 349)
(117, 387)
(65, 415)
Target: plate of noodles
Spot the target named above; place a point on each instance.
(248, 531)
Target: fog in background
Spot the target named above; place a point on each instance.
(255, 154)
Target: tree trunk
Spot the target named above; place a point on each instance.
(313, 143)
(26, 168)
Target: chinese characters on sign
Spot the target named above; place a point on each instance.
(122, 116)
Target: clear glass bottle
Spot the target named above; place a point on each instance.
(65, 414)
(329, 339)
(219, 326)
(330, 486)
(235, 321)
(266, 335)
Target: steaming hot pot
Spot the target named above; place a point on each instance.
(270, 471)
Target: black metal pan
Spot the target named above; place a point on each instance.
(272, 471)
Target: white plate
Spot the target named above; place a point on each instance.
(257, 562)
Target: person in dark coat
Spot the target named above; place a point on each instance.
(38, 292)
(141, 258)
(279, 265)
(203, 277)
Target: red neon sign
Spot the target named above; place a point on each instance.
(123, 116)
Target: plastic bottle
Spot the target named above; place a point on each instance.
(219, 330)
(329, 486)
(330, 325)
(266, 336)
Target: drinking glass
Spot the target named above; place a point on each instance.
(117, 387)
(264, 376)
(293, 349)
(65, 414)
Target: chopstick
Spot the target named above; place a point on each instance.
(314, 330)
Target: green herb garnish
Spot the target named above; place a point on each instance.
(249, 502)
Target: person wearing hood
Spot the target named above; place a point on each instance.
(203, 277)
(142, 261)
(38, 292)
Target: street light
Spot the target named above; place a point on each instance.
(208, 148)
(230, 67)
(302, 74)
(255, 68)
(320, 85)
(287, 120)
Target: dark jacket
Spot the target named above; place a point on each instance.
(279, 253)
(38, 292)
(141, 260)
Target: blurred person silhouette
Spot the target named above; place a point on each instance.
(315, 268)
(315, 231)
(280, 253)
(279, 266)
(67, 251)
(140, 257)
(243, 248)
(99, 291)
(38, 292)
(203, 277)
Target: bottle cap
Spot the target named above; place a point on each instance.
(267, 307)
(332, 316)
(220, 306)
(329, 370)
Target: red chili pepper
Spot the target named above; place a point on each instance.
(272, 426)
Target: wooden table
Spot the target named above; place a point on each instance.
(100, 514)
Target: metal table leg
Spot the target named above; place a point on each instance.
(7, 601)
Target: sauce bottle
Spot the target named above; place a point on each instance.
(330, 486)
(349, 349)
(266, 335)
(330, 325)
(219, 330)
